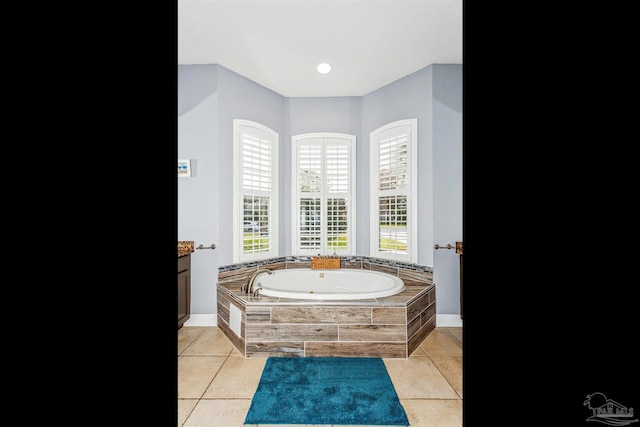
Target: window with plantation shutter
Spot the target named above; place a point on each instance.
(323, 189)
(255, 191)
(393, 191)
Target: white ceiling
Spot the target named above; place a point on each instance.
(279, 43)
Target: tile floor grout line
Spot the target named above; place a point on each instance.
(230, 354)
(214, 377)
(192, 341)
(443, 375)
(197, 400)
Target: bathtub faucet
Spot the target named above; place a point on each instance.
(248, 287)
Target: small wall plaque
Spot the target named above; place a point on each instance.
(184, 168)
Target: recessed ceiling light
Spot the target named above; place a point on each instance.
(324, 68)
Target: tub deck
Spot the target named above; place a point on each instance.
(390, 327)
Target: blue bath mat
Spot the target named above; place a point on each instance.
(326, 390)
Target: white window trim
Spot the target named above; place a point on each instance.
(412, 193)
(238, 194)
(295, 235)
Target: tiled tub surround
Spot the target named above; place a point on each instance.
(391, 327)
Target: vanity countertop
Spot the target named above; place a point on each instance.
(185, 247)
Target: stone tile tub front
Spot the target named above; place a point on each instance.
(263, 326)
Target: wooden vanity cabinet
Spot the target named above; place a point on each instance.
(184, 289)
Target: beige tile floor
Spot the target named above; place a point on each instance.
(216, 383)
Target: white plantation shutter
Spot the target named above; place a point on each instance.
(310, 227)
(338, 189)
(323, 165)
(310, 167)
(257, 166)
(393, 188)
(337, 171)
(393, 167)
(255, 191)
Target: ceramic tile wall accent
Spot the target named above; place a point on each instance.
(252, 264)
(347, 263)
(384, 269)
(389, 315)
(418, 306)
(357, 349)
(372, 333)
(355, 261)
(421, 319)
(246, 273)
(225, 299)
(423, 332)
(258, 314)
(235, 275)
(292, 332)
(320, 314)
(299, 263)
(412, 276)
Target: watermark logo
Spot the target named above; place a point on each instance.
(608, 411)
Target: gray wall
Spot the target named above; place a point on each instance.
(211, 96)
(407, 98)
(198, 197)
(205, 133)
(446, 136)
(308, 115)
(241, 98)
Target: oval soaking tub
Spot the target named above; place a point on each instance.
(339, 284)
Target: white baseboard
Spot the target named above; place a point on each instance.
(203, 320)
(448, 320)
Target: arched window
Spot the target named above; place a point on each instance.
(255, 191)
(324, 194)
(393, 180)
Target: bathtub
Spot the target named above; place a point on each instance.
(339, 284)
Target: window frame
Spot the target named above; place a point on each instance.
(386, 131)
(324, 195)
(240, 126)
